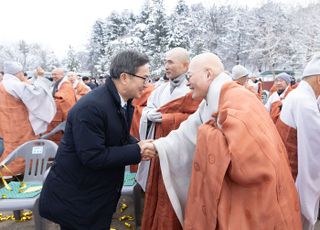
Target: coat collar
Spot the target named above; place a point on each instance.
(111, 87)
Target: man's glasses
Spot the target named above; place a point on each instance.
(146, 79)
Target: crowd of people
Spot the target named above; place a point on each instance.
(211, 154)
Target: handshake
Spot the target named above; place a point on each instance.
(148, 150)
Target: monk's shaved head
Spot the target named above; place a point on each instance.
(179, 54)
(176, 62)
(57, 74)
(208, 61)
(203, 69)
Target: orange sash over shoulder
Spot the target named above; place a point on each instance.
(277, 106)
(289, 138)
(158, 211)
(240, 175)
(139, 104)
(64, 98)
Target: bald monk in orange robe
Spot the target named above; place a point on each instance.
(80, 88)
(64, 97)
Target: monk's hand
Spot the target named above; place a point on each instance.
(154, 116)
(148, 150)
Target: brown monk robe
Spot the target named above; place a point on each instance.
(158, 211)
(289, 138)
(64, 98)
(15, 129)
(240, 175)
(139, 104)
(81, 90)
(277, 105)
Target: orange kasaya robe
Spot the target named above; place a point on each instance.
(16, 129)
(81, 90)
(277, 106)
(64, 98)
(139, 104)
(158, 211)
(289, 138)
(240, 176)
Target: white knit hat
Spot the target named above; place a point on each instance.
(313, 67)
(284, 76)
(12, 67)
(239, 71)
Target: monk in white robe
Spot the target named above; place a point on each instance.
(226, 166)
(301, 112)
(25, 112)
(168, 105)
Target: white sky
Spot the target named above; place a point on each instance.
(56, 24)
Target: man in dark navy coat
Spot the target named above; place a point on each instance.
(84, 184)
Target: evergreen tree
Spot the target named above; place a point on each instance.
(179, 26)
(98, 43)
(72, 62)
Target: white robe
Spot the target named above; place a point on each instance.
(275, 97)
(159, 97)
(176, 151)
(300, 110)
(37, 98)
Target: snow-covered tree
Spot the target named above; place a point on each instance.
(72, 62)
(179, 26)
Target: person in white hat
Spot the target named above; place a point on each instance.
(25, 111)
(300, 111)
(274, 102)
(240, 74)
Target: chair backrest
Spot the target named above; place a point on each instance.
(58, 128)
(36, 154)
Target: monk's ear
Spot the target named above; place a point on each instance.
(210, 75)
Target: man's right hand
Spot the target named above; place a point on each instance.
(154, 116)
(148, 150)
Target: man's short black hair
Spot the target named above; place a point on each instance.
(127, 61)
(85, 78)
(2, 72)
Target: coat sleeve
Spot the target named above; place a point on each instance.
(91, 144)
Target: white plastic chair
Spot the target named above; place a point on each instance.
(36, 154)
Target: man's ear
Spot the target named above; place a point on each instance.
(123, 78)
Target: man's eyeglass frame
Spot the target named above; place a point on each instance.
(146, 79)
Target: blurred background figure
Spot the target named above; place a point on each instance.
(86, 80)
(80, 88)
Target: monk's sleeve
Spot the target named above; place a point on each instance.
(176, 154)
(308, 179)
